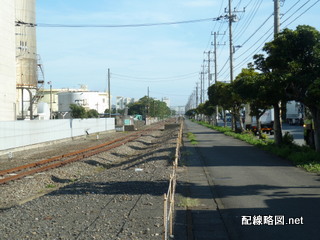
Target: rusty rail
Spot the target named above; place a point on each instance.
(64, 159)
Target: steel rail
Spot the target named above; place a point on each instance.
(64, 159)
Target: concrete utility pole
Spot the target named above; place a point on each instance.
(197, 95)
(215, 74)
(230, 42)
(148, 106)
(276, 17)
(209, 70)
(201, 85)
(231, 19)
(109, 93)
(50, 100)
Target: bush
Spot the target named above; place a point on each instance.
(301, 156)
(287, 138)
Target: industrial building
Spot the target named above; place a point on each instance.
(19, 63)
(56, 102)
(7, 61)
(87, 99)
(29, 81)
(22, 94)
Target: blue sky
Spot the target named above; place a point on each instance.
(167, 58)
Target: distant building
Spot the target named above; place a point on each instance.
(60, 100)
(167, 101)
(122, 102)
(180, 110)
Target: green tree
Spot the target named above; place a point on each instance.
(273, 82)
(249, 84)
(296, 55)
(78, 111)
(219, 95)
(293, 61)
(191, 112)
(147, 106)
(92, 113)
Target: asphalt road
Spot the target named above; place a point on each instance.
(295, 131)
(260, 195)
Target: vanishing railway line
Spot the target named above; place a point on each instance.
(61, 160)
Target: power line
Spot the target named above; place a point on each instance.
(296, 11)
(302, 13)
(126, 25)
(155, 79)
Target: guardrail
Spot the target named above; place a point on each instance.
(168, 198)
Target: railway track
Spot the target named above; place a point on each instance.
(61, 160)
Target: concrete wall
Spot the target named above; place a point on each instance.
(24, 133)
(7, 61)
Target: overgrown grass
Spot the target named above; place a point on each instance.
(300, 156)
(187, 202)
(192, 138)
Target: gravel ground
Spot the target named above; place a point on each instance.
(112, 195)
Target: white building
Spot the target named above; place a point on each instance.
(167, 101)
(88, 100)
(122, 102)
(7, 61)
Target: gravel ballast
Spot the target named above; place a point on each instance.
(113, 195)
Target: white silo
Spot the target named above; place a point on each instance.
(7, 61)
(26, 55)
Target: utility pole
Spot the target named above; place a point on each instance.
(148, 106)
(197, 95)
(276, 17)
(230, 42)
(50, 100)
(215, 72)
(201, 82)
(109, 93)
(209, 70)
(231, 19)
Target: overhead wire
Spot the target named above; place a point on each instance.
(296, 11)
(249, 19)
(154, 79)
(256, 7)
(125, 25)
(302, 13)
(270, 35)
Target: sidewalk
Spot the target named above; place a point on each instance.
(197, 213)
(228, 182)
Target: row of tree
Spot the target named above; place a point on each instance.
(147, 106)
(289, 70)
(78, 111)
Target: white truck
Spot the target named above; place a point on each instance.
(294, 112)
(266, 120)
